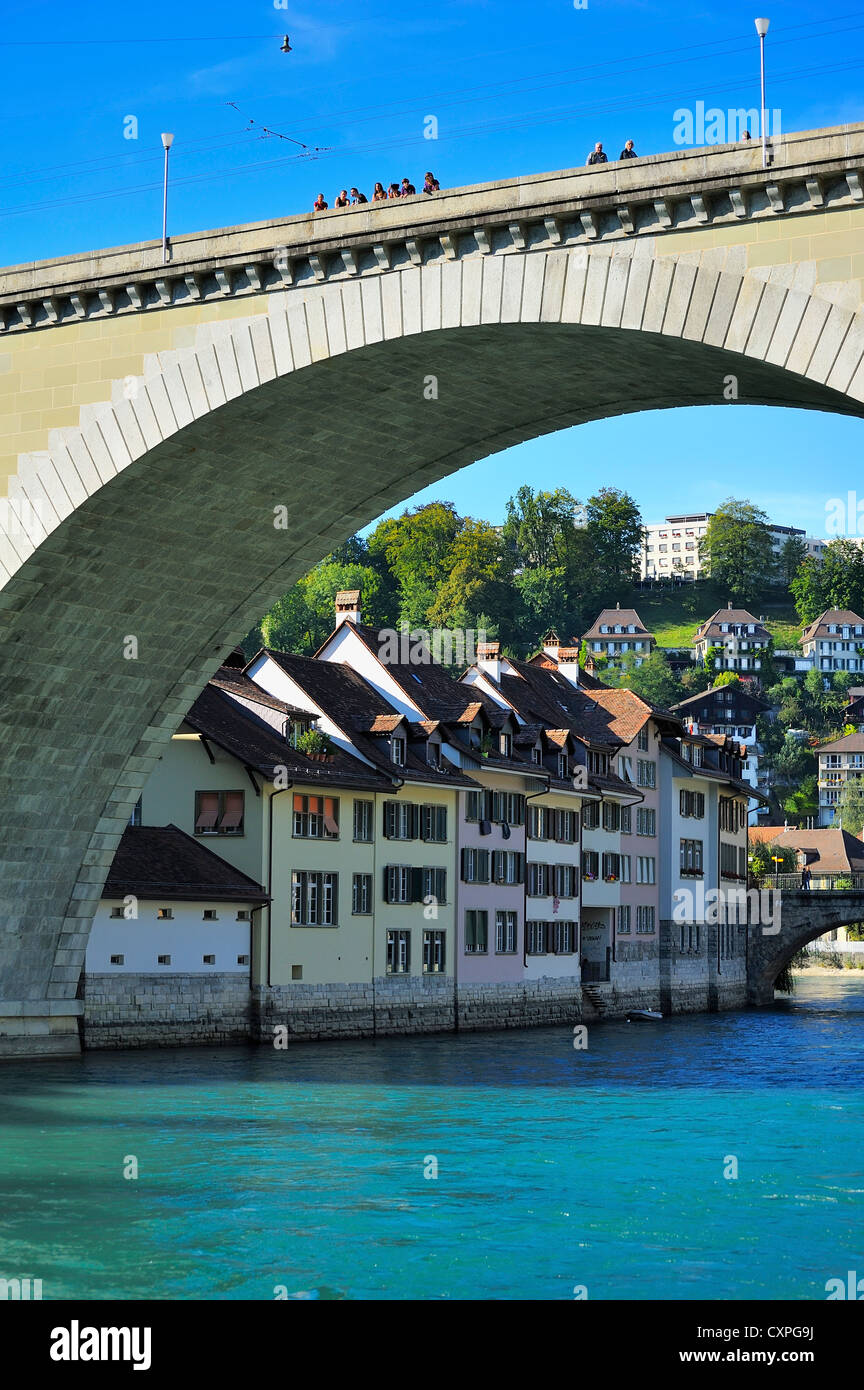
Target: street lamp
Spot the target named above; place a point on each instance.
(762, 30)
(166, 145)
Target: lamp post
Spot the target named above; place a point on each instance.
(762, 30)
(166, 145)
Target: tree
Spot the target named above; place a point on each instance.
(654, 681)
(540, 527)
(837, 581)
(736, 548)
(804, 801)
(416, 546)
(479, 580)
(763, 859)
(793, 552)
(726, 678)
(616, 533)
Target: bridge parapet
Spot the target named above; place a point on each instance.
(723, 185)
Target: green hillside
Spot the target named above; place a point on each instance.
(673, 615)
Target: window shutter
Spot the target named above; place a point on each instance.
(416, 894)
(389, 819)
(483, 866)
(441, 885)
(385, 891)
(441, 817)
(464, 866)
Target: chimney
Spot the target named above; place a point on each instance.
(348, 606)
(568, 664)
(730, 603)
(489, 659)
(551, 643)
(618, 606)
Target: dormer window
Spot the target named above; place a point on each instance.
(563, 765)
(433, 754)
(604, 627)
(505, 744)
(536, 756)
(397, 750)
(474, 737)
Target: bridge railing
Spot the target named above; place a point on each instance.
(836, 883)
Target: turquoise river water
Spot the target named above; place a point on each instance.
(303, 1173)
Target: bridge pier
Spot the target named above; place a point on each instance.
(40, 1028)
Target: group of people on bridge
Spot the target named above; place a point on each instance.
(598, 154)
(404, 190)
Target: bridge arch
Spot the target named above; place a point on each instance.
(804, 915)
(160, 507)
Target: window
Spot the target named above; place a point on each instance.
(691, 857)
(433, 753)
(563, 765)
(398, 952)
(566, 881)
(625, 767)
(314, 899)
(505, 933)
(433, 824)
(611, 816)
(244, 915)
(508, 866)
(626, 820)
(624, 921)
(476, 932)
(401, 820)
(611, 868)
(475, 865)
(208, 960)
(645, 920)
(590, 864)
(135, 818)
(364, 821)
(296, 972)
(361, 895)
(645, 869)
(219, 813)
(728, 859)
(505, 745)
(397, 750)
(536, 756)
(512, 808)
(566, 827)
(538, 822)
(535, 938)
(625, 867)
(242, 960)
(397, 883)
(164, 914)
(433, 882)
(693, 804)
(433, 952)
(591, 815)
(563, 938)
(539, 880)
(210, 914)
(646, 773)
(118, 912)
(478, 806)
(118, 960)
(163, 960)
(646, 821)
(598, 763)
(316, 817)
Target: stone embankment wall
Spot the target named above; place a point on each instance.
(165, 1010)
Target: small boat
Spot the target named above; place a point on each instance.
(644, 1016)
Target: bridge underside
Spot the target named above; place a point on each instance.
(180, 552)
(804, 916)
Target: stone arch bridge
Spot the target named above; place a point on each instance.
(154, 415)
(804, 915)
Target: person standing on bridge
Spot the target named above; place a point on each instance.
(320, 203)
(431, 184)
(378, 194)
(341, 201)
(805, 877)
(598, 154)
(628, 151)
(357, 197)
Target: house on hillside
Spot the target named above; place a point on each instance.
(834, 642)
(617, 631)
(839, 760)
(736, 639)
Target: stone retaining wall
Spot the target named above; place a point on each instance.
(165, 1010)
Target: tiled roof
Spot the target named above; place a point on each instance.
(838, 617)
(436, 694)
(160, 861)
(236, 683)
(612, 617)
(716, 695)
(236, 730)
(542, 695)
(630, 712)
(830, 851)
(711, 626)
(849, 743)
(349, 700)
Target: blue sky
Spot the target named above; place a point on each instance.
(515, 89)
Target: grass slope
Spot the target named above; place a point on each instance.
(673, 615)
